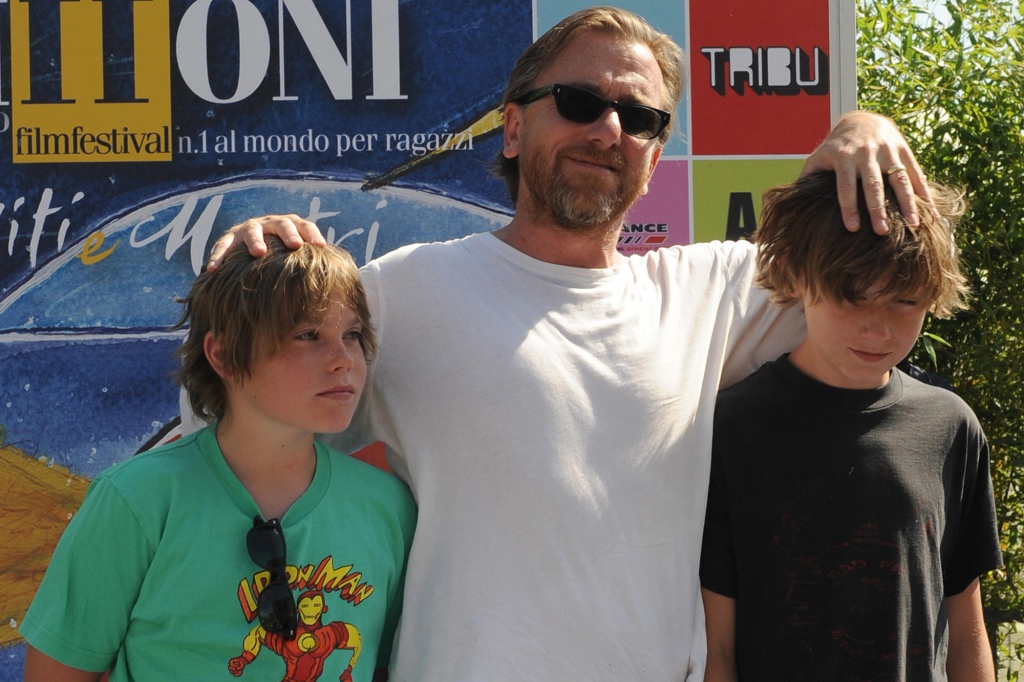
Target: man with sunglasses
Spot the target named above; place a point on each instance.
(548, 400)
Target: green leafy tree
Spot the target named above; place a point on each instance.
(954, 82)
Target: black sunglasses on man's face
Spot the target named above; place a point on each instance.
(583, 106)
(276, 603)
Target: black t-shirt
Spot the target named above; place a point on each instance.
(840, 520)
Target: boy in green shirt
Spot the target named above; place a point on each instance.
(176, 566)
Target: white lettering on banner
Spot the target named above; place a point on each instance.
(44, 210)
(768, 70)
(386, 70)
(425, 143)
(176, 233)
(254, 49)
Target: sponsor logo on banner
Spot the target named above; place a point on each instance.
(768, 70)
(642, 236)
(90, 81)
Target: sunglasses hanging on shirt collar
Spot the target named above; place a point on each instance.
(276, 603)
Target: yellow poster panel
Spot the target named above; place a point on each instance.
(727, 194)
(66, 107)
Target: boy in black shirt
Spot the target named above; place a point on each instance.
(850, 511)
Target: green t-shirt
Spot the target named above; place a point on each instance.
(152, 579)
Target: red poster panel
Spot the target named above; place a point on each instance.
(760, 76)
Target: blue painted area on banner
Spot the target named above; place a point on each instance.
(101, 250)
(86, 360)
(86, 403)
(453, 68)
(12, 660)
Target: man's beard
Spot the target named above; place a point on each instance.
(580, 208)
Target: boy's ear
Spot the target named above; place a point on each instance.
(796, 290)
(213, 348)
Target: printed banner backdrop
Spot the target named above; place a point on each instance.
(132, 134)
(760, 76)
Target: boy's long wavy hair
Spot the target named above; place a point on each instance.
(254, 304)
(803, 246)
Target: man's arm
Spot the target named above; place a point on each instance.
(720, 623)
(969, 658)
(861, 144)
(870, 147)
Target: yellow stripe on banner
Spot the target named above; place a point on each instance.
(482, 127)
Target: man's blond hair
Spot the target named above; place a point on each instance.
(605, 20)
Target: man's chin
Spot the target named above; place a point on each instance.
(588, 211)
(585, 221)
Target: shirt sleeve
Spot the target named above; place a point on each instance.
(976, 549)
(80, 613)
(761, 330)
(717, 558)
(405, 510)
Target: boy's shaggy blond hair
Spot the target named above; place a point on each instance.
(255, 304)
(803, 245)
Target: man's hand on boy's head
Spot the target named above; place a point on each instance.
(866, 145)
(292, 230)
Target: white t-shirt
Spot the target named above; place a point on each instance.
(554, 425)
